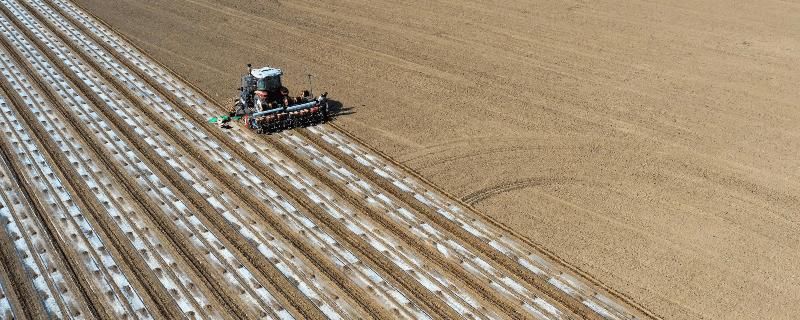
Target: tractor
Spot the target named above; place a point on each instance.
(264, 105)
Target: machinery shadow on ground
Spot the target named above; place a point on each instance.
(338, 109)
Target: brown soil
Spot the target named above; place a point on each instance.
(479, 244)
(156, 296)
(427, 251)
(653, 145)
(21, 293)
(281, 284)
(91, 306)
(146, 204)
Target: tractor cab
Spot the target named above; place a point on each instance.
(267, 87)
(261, 88)
(267, 79)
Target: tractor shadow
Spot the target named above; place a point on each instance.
(337, 109)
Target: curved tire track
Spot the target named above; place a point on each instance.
(456, 230)
(538, 248)
(489, 192)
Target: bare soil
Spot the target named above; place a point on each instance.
(652, 144)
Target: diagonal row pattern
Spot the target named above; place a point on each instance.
(228, 224)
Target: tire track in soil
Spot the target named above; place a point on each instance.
(182, 245)
(426, 298)
(96, 308)
(422, 179)
(213, 130)
(280, 284)
(384, 284)
(530, 243)
(497, 224)
(509, 307)
(155, 294)
(478, 244)
(491, 191)
(20, 291)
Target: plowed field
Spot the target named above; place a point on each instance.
(516, 159)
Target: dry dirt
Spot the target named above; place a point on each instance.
(652, 144)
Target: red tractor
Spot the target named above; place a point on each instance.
(264, 104)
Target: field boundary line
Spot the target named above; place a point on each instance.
(423, 296)
(548, 253)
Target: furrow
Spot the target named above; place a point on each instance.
(449, 252)
(37, 256)
(87, 176)
(435, 288)
(248, 222)
(63, 266)
(300, 221)
(244, 276)
(27, 300)
(502, 247)
(123, 212)
(6, 302)
(116, 293)
(158, 258)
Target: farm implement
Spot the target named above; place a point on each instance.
(265, 106)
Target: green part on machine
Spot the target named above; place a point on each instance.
(224, 119)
